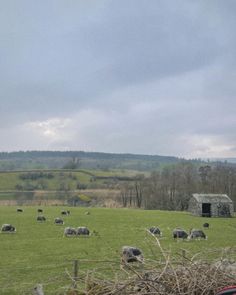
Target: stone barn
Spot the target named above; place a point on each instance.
(211, 205)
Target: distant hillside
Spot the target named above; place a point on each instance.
(228, 160)
(82, 160)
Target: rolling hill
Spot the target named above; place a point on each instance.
(83, 160)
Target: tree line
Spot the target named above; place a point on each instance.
(171, 188)
(80, 159)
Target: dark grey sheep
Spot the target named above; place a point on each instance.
(131, 254)
(206, 225)
(19, 210)
(155, 230)
(70, 231)
(8, 228)
(197, 234)
(41, 218)
(58, 221)
(82, 230)
(179, 233)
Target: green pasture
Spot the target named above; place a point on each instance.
(9, 180)
(61, 180)
(38, 252)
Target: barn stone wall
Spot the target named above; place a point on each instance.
(194, 207)
(218, 209)
(222, 209)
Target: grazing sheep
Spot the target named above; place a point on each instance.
(40, 210)
(68, 212)
(87, 213)
(41, 218)
(83, 231)
(64, 213)
(58, 221)
(206, 225)
(131, 254)
(69, 232)
(19, 210)
(155, 231)
(179, 233)
(197, 234)
(8, 228)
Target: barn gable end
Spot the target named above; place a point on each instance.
(211, 205)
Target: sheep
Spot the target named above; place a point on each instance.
(40, 210)
(8, 228)
(69, 232)
(179, 233)
(155, 230)
(58, 221)
(206, 225)
(41, 218)
(82, 230)
(131, 254)
(197, 234)
(64, 212)
(19, 210)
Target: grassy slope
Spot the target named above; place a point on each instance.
(38, 252)
(9, 180)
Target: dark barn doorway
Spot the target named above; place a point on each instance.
(206, 210)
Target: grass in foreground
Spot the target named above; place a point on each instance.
(39, 252)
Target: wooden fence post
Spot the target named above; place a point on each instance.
(183, 255)
(76, 264)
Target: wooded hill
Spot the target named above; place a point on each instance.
(126, 180)
(82, 160)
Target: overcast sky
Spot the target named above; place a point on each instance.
(126, 76)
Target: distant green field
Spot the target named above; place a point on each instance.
(38, 253)
(9, 180)
(61, 179)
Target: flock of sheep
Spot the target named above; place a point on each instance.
(133, 254)
(181, 233)
(129, 254)
(69, 231)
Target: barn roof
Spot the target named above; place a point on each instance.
(212, 198)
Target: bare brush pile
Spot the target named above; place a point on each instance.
(172, 277)
(192, 278)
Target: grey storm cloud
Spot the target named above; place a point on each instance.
(100, 75)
